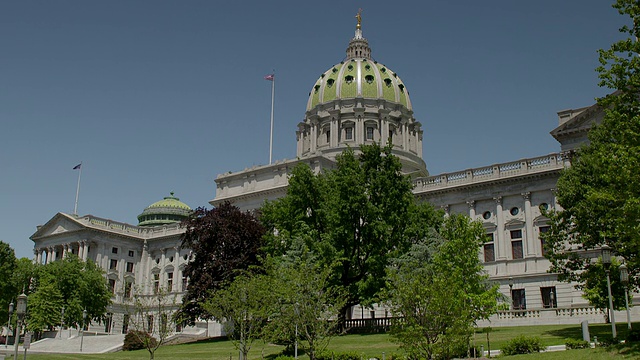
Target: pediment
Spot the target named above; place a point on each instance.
(514, 223)
(59, 224)
(582, 121)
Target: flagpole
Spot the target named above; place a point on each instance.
(273, 88)
(75, 208)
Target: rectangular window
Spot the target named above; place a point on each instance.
(328, 136)
(129, 267)
(542, 230)
(184, 283)
(549, 299)
(348, 133)
(369, 133)
(113, 264)
(156, 283)
(391, 135)
(516, 249)
(114, 250)
(489, 253)
(112, 285)
(170, 282)
(149, 323)
(516, 234)
(125, 323)
(131, 253)
(127, 289)
(519, 300)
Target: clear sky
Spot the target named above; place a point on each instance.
(160, 96)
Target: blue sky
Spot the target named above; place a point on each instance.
(160, 96)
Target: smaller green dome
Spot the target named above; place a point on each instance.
(166, 211)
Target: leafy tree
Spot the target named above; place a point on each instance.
(243, 307)
(600, 192)
(8, 290)
(72, 283)
(151, 318)
(354, 218)
(595, 286)
(441, 289)
(223, 240)
(304, 304)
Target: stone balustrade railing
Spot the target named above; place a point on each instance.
(525, 166)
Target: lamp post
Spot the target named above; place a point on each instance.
(61, 321)
(297, 311)
(21, 309)
(511, 291)
(624, 279)
(9, 325)
(84, 320)
(606, 261)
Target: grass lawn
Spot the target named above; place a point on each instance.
(374, 345)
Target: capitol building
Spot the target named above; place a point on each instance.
(354, 102)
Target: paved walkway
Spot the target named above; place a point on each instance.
(90, 345)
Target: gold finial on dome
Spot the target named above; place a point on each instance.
(359, 17)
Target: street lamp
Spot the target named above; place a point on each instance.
(624, 279)
(606, 261)
(6, 341)
(511, 291)
(84, 320)
(297, 311)
(21, 309)
(61, 321)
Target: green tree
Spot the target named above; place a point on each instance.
(440, 288)
(243, 307)
(304, 304)
(224, 241)
(595, 289)
(72, 283)
(152, 318)
(8, 290)
(354, 218)
(600, 192)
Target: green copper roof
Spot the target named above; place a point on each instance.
(358, 77)
(166, 211)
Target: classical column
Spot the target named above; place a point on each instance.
(472, 209)
(163, 263)
(405, 137)
(53, 253)
(39, 257)
(528, 220)
(314, 137)
(500, 246)
(85, 250)
(145, 260)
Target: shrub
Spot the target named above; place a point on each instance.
(576, 344)
(334, 355)
(522, 345)
(134, 340)
(606, 341)
(633, 335)
(284, 357)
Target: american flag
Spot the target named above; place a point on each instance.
(77, 166)
(269, 77)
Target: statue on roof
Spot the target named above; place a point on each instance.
(359, 17)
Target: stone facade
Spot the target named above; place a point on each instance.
(357, 101)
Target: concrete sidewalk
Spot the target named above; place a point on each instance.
(90, 345)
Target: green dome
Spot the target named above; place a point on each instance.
(166, 211)
(358, 78)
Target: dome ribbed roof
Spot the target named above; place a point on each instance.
(166, 211)
(358, 77)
